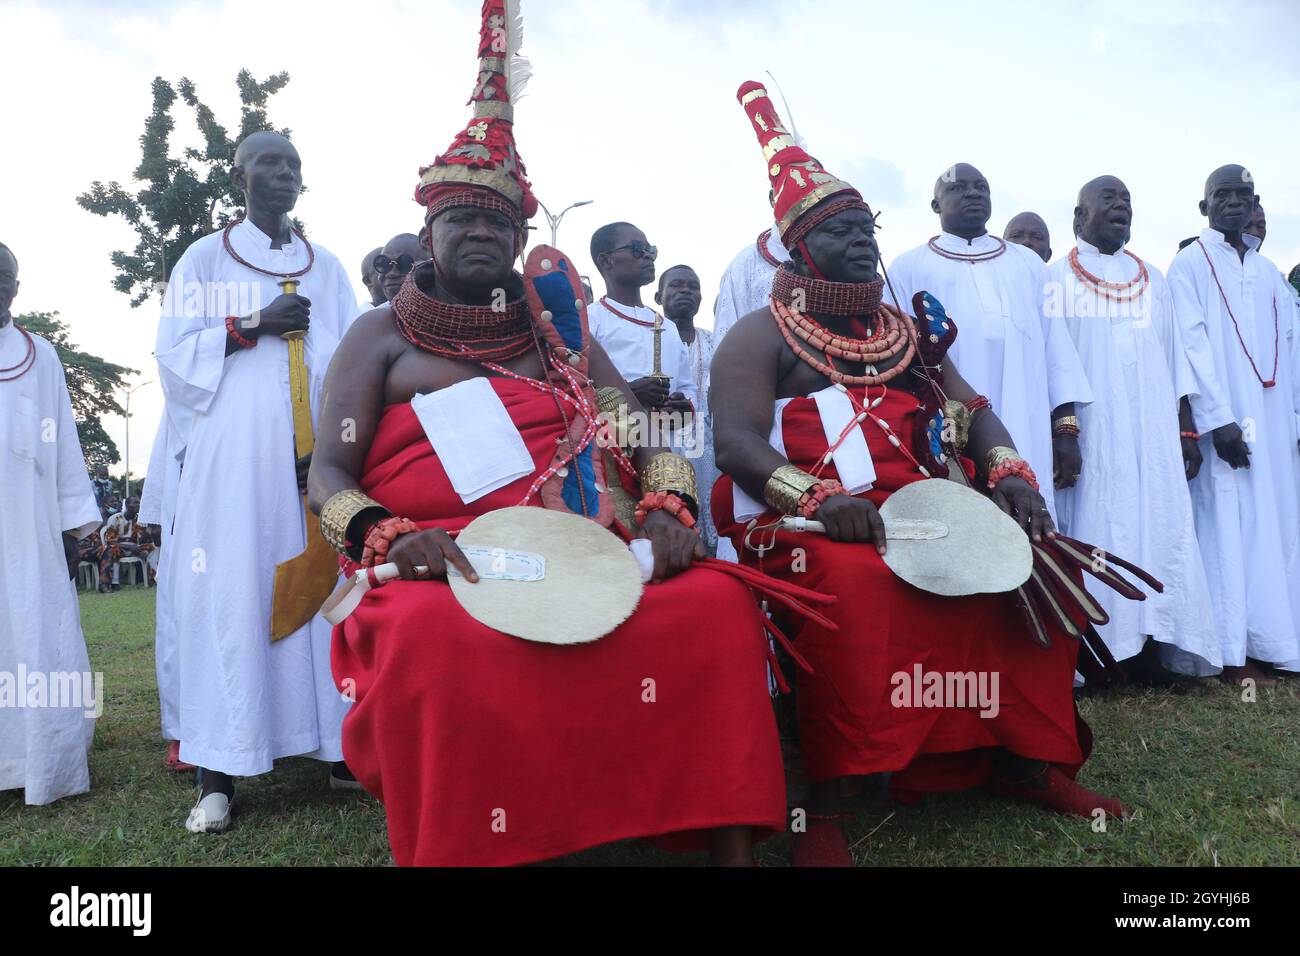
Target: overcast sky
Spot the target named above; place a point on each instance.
(632, 104)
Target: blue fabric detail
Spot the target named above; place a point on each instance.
(558, 299)
(585, 472)
(934, 433)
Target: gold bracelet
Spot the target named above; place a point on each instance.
(614, 408)
(667, 471)
(1066, 423)
(337, 514)
(957, 415)
(786, 488)
(997, 455)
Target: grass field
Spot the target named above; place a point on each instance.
(1214, 781)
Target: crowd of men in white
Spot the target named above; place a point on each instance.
(1186, 387)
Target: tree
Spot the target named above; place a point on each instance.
(181, 199)
(92, 385)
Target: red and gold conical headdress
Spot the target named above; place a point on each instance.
(798, 181)
(481, 167)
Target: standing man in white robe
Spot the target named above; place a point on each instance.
(747, 283)
(245, 701)
(625, 329)
(1023, 363)
(50, 505)
(1131, 498)
(1239, 324)
(158, 508)
(679, 296)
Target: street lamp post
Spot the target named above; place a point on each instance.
(555, 220)
(126, 473)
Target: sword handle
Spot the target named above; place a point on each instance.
(290, 287)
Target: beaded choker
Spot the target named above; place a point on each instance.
(826, 297)
(473, 332)
(1115, 291)
(968, 256)
(230, 250)
(763, 251)
(894, 334)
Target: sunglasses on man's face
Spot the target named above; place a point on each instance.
(639, 249)
(403, 264)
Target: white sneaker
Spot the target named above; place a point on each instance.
(211, 814)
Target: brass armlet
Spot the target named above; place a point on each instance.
(668, 471)
(786, 488)
(337, 515)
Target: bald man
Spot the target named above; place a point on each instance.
(1132, 497)
(1008, 350)
(1029, 229)
(245, 701)
(371, 281)
(394, 262)
(1236, 314)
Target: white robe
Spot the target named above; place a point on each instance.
(1248, 520)
(158, 506)
(700, 355)
(1006, 348)
(243, 700)
(1132, 498)
(746, 285)
(46, 491)
(631, 348)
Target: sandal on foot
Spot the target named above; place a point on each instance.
(211, 814)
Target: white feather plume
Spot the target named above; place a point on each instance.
(518, 69)
(789, 116)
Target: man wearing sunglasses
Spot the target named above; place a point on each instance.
(625, 327)
(397, 258)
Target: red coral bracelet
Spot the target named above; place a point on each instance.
(1013, 466)
(241, 341)
(815, 496)
(976, 403)
(380, 538)
(664, 501)
(1192, 435)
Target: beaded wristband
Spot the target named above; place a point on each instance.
(1009, 467)
(816, 496)
(664, 501)
(241, 341)
(1192, 435)
(381, 536)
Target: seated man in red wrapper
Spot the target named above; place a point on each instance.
(486, 749)
(823, 406)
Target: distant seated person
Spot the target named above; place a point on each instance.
(122, 537)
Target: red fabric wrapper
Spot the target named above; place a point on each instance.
(847, 723)
(457, 726)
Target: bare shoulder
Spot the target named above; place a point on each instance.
(753, 340)
(374, 332)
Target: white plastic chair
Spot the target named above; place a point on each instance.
(88, 575)
(136, 567)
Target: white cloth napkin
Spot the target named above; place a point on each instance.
(853, 458)
(470, 430)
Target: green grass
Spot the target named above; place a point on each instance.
(1213, 780)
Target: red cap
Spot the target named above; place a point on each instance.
(798, 181)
